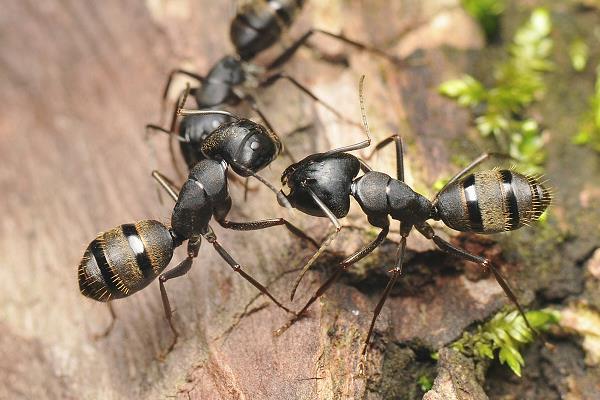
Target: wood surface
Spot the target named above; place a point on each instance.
(79, 81)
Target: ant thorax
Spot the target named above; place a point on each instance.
(380, 194)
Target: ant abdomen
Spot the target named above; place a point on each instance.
(260, 24)
(125, 259)
(492, 201)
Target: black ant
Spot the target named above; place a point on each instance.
(256, 26)
(483, 202)
(260, 24)
(195, 128)
(126, 259)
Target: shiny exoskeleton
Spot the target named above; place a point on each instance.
(125, 259)
(193, 130)
(257, 26)
(484, 202)
(220, 88)
(491, 202)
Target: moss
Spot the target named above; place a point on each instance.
(487, 13)
(505, 332)
(501, 111)
(408, 384)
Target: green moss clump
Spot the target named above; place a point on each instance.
(501, 111)
(506, 332)
(579, 53)
(487, 13)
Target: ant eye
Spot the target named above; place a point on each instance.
(254, 145)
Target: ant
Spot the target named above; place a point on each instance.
(257, 26)
(127, 258)
(483, 202)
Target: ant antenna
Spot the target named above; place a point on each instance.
(365, 143)
(183, 111)
(186, 92)
(280, 196)
(363, 113)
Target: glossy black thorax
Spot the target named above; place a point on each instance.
(217, 87)
(205, 188)
(380, 195)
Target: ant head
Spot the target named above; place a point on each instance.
(285, 176)
(243, 144)
(290, 180)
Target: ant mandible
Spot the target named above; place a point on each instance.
(257, 26)
(483, 202)
(127, 258)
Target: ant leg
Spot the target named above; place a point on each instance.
(365, 143)
(178, 106)
(359, 255)
(234, 178)
(281, 199)
(166, 184)
(172, 75)
(300, 129)
(280, 75)
(380, 146)
(328, 240)
(151, 128)
(109, 328)
(179, 270)
(443, 245)
(267, 223)
(364, 166)
(289, 52)
(246, 188)
(175, 72)
(399, 153)
(212, 239)
(470, 167)
(221, 211)
(396, 272)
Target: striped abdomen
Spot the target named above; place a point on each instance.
(492, 201)
(124, 260)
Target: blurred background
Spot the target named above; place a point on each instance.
(80, 79)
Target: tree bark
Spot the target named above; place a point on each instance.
(80, 81)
